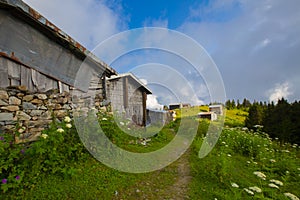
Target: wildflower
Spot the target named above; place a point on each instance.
(18, 177)
(1, 138)
(255, 189)
(60, 130)
(260, 175)
(67, 119)
(44, 136)
(272, 160)
(69, 125)
(287, 172)
(22, 151)
(272, 185)
(4, 181)
(277, 182)
(122, 123)
(235, 185)
(104, 119)
(229, 155)
(249, 191)
(248, 162)
(255, 163)
(223, 142)
(291, 196)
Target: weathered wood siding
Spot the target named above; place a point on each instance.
(15, 74)
(127, 101)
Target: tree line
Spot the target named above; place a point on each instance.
(281, 120)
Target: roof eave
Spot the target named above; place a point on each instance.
(35, 19)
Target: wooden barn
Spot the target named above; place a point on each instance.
(37, 54)
(128, 96)
(208, 115)
(218, 109)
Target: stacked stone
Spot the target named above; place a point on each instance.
(31, 113)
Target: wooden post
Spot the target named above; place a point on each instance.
(144, 108)
(104, 92)
(125, 92)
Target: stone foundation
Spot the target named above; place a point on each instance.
(30, 113)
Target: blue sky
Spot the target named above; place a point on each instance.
(254, 43)
(141, 12)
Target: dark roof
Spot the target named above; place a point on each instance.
(27, 14)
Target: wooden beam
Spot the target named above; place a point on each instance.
(144, 108)
(125, 92)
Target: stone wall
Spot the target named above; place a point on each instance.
(158, 117)
(31, 113)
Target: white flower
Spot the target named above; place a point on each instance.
(260, 175)
(229, 155)
(67, 119)
(104, 119)
(255, 189)
(248, 162)
(272, 185)
(60, 130)
(272, 160)
(249, 191)
(277, 182)
(69, 125)
(291, 196)
(122, 123)
(44, 136)
(235, 185)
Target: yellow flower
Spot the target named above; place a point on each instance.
(67, 119)
(44, 136)
(60, 130)
(69, 125)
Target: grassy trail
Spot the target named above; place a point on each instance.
(171, 182)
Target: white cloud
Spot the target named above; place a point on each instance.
(259, 42)
(156, 23)
(87, 21)
(152, 103)
(279, 91)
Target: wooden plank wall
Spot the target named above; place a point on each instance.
(15, 74)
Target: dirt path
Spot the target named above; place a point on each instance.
(170, 183)
(179, 190)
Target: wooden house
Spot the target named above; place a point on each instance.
(37, 54)
(208, 115)
(128, 96)
(218, 109)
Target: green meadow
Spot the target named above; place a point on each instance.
(244, 164)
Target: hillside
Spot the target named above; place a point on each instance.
(243, 165)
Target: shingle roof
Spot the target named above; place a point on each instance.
(24, 12)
